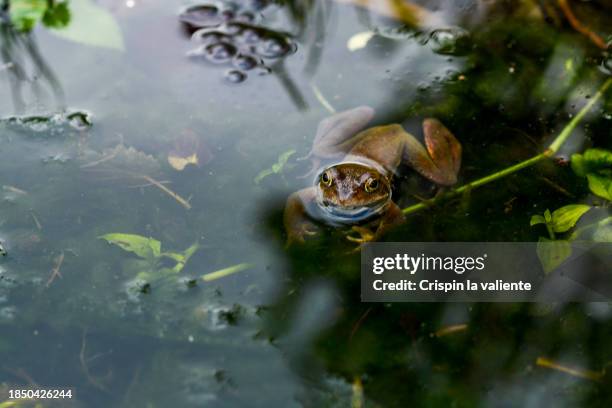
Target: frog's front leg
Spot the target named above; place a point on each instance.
(296, 221)
(441, 161)
(392, 218)
(336, 135)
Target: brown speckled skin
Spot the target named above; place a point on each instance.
(373, 153)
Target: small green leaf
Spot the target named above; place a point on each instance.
(537, 219)
(566, 217)
(91, 25)
(276, 167)
(146, 248)
(547, 216)
(57, 16)
(578, 165)
(25, 14)
(552, 253)
(600, 185)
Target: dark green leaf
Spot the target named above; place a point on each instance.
(57, 16)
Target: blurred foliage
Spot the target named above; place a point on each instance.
(25, 14)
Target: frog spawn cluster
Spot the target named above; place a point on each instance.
(229, 35)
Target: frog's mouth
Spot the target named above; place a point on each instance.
(351, 214)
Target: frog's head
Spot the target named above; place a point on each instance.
(352, 191)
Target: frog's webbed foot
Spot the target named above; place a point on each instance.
(363, 235)
(298, 234)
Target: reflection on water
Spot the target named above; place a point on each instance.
(290, 330)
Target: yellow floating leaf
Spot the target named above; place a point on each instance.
(179, 163)
(359, 40)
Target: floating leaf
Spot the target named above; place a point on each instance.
(566, 217)
(179, 163)
(147, 248)
(276, 168)
(91, 25)
(359, 40)
(26, 13)
(552, 253)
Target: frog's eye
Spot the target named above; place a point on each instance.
(326, 179)
(371, 185)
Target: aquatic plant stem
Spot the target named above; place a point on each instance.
(550, 151)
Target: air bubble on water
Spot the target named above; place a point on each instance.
(245, 62)
(274, 47)
(235, 76)
(79, 120)
(245, 17)
(208, 36)
(217, 53)
(201, 16)
(249, 35)
(449, 41)
(227, 14)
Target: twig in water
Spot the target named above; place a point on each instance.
(93, 381)
(359, 322)
(221, 273)
(99, 161)
(321, 98)
(38, 224)
(576, 372)
(578, 26)
(55, 272)
(455, 328)
(165, 189)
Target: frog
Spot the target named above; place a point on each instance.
(356, 166)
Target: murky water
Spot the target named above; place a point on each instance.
(190, 135)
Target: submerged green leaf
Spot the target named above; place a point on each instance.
(552, 253)
(596, 166)
(600, 185)
(276, 168)
(91, 25)
(536, 219)
(566, 217)
(25, 14)
(146, 248)
(57, 16)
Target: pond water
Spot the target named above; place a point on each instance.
(96, 140)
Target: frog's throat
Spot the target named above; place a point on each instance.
(341, 215)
